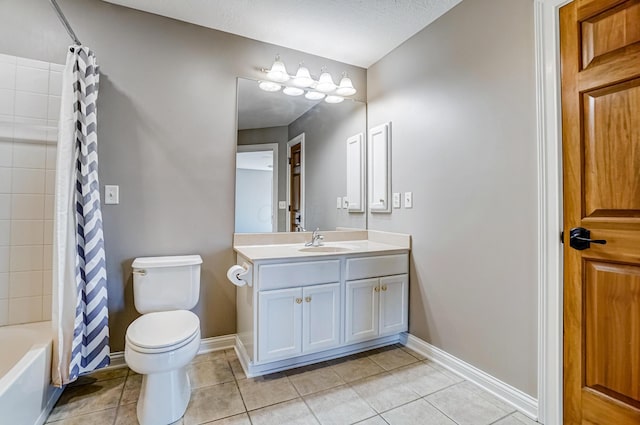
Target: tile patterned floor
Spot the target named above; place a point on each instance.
(388, 386)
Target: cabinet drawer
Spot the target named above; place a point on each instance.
(384, 265)
(276, 276)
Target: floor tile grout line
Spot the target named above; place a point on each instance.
(115, 417)
(303, 400)
(436, 407)
(503, 417)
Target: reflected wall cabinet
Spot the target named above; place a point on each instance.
(379, 166)
(355, 173)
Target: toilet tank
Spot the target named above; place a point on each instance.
(166, 283)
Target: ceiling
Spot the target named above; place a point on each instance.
(261, 109)
(356, 32)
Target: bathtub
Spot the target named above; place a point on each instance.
(26, 398)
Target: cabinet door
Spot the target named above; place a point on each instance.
(362, 310)
(279, 324)
(394, 303)
(321, 317)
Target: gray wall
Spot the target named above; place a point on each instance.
(280, 136)
(167, 135)
(326, 128)
(460, 95)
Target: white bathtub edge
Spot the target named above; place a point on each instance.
(53, 399)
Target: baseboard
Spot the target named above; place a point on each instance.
(207, 345)
(513, 396)
(217, 343)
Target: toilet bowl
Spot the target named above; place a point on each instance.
(160, 346)
(162, 342)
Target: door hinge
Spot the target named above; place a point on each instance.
(562, 237)
(289, 208)
(289, 161)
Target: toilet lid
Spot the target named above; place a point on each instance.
(163, 328)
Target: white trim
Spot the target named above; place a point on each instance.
(273, 147)
(513, 396)
(298, 139)
(217, 343)
(207, 345)
(549, 137)
(252, 370)
(51, 402)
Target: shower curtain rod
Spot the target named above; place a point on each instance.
(64, 21)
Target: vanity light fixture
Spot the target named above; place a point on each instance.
(346, 86)
(314, 95)
(323, 88)
(334, 99)
(292, 91)
(325, 83)
(303, 77)
(278, 71)
(269, 86)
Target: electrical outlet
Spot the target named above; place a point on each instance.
(338, 202)
(408, 200)
(282, 205)
(396, 200)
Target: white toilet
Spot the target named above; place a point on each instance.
(161, 343)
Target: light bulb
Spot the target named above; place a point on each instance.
(293, 91)
(334, 99)
(314, 95)
(302, 78)
(278, 72)
(346, 87)
(325, 83)
(269, 86)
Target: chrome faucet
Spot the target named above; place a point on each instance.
(316, 238)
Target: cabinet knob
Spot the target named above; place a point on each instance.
(299, 300)
(377, 289)
(384, 287)
(308, 299)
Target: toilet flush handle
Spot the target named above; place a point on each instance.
(140, 272)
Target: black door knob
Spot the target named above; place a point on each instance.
(580, 239)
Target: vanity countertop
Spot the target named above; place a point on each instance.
(376, 243)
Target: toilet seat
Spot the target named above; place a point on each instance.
(163, 331)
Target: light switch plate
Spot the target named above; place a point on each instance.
(111, 194)
(396, 200)
(408, 200)
(339, 202)
(345, 203)
(282, 205)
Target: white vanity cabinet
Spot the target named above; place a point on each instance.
(298, 321)
(298, 311)
(377, 297)
(376, 307)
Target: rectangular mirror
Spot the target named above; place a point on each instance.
(291, 164)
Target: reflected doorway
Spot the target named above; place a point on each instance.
(257, 188)
(295, 184)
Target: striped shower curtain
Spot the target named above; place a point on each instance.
(80, 316)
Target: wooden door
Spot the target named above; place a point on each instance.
(600, 52)
(321, 317)
(362, 310)
(394, 304)
(279, 324)
(295, 176)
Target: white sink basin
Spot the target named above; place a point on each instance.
(326, 248)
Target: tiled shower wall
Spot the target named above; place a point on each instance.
(29, 108)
